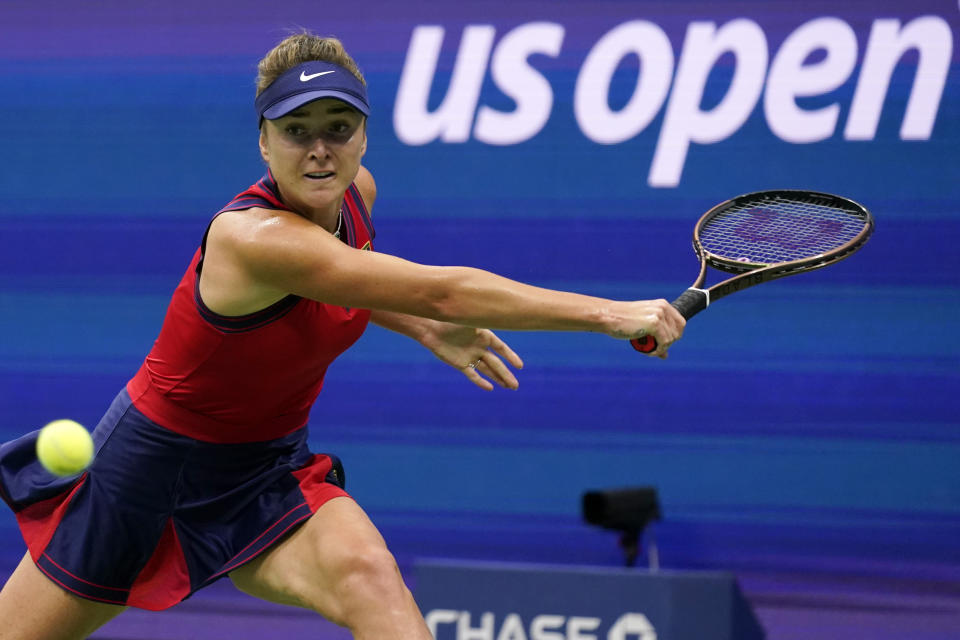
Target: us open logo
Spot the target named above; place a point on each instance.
(450, 624)
(818, 57)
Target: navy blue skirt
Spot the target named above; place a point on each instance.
(159, 515)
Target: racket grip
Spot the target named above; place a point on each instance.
(690, 303)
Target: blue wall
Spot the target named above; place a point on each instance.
(811, 423)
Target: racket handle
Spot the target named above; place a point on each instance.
(646, 344)
(690, 303)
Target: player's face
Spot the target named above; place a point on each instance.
(314, 154)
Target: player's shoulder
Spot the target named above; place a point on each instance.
(366, 186)
(245, 229)
(250, 219)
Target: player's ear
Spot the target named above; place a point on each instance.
(264, 153)
(363, 148)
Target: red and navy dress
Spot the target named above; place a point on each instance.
(202, 460)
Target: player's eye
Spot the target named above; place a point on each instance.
(340, 129)
(295, 130)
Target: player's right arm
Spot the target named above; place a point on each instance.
(271, 253)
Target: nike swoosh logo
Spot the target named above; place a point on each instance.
(304, 77)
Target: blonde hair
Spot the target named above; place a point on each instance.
(299, 48)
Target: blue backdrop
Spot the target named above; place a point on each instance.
(809, 423)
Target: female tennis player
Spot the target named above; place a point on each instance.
(202, 468)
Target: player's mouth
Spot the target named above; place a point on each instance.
(319, 175)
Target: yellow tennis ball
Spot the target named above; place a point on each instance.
(64, 448)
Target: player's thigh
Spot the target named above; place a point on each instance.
(32, 607)
(308, 567)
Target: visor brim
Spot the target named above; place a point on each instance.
(287, 105)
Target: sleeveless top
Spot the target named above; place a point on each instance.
(253, 377)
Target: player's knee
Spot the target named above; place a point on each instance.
(368, 578)
(370, 568)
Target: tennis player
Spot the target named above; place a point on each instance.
(202, 468)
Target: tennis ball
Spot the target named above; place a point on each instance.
(64, 448)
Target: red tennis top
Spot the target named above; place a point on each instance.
(253, 377)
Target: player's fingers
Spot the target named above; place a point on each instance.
(496, 370)
(668, 315)
(503, 350)
(662, 348)
(661, 328)
(671, 324)
(663, 344)
(477, 379)
(678, 321)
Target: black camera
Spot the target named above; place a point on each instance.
(628, 511)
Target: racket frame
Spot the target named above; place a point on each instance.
(752, 273)
(695, 299)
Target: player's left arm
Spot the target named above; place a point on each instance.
(458, 346)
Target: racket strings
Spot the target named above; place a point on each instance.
(777, 229)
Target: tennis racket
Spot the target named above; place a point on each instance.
(767, 235)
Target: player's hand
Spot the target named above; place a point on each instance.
(657, 318)
(477, 353)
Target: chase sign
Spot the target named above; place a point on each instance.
(497, 601)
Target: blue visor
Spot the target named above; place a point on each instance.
(308, 82)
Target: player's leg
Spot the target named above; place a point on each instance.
(338, 565)
(32, 607)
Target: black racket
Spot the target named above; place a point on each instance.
(767, 235)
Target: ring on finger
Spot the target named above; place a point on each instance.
(474, 365)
